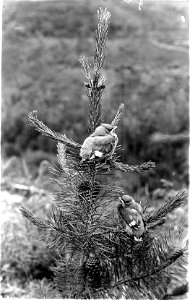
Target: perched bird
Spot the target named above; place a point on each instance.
(131, 217)
(101, 143)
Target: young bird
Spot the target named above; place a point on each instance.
(101, 143)
(131, 217)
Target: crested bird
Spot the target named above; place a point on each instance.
(131, 217)
(101, 143)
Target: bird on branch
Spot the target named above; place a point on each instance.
(100, 144)
(131, 217)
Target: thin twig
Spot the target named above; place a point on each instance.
(173, 203)
(36, 221)
(132, 169)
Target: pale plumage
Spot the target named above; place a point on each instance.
(101, 143)
(131, 217)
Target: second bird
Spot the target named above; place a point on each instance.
(131, 217)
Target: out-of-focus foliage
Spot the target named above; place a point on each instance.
(146, 68)
(24, 258)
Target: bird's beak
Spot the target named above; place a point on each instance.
(114, 128)
(122, 202)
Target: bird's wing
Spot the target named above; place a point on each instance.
(131, 215)
(138, 207)
(87, 147)
(103, 143)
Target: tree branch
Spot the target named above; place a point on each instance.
(36, 221)
(171, 259)
(132, 169)
(173, 203)
(96, 82)
(72, 146)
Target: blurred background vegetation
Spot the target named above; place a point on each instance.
(146, 69)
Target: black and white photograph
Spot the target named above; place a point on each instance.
(95, 149)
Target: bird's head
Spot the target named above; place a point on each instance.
(126, 200)
(99, 131)
(109, 128)
(104, 129)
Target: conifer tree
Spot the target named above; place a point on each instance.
(97, 257)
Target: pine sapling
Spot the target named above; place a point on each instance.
(102, 253)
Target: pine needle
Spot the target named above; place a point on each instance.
(162, 212)
(45, 130)
(101, 37)
(36, 221)
(156, 224)
(132, 169)
(95, 85)
(118, 115)
(85, 62)
(174, 256)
